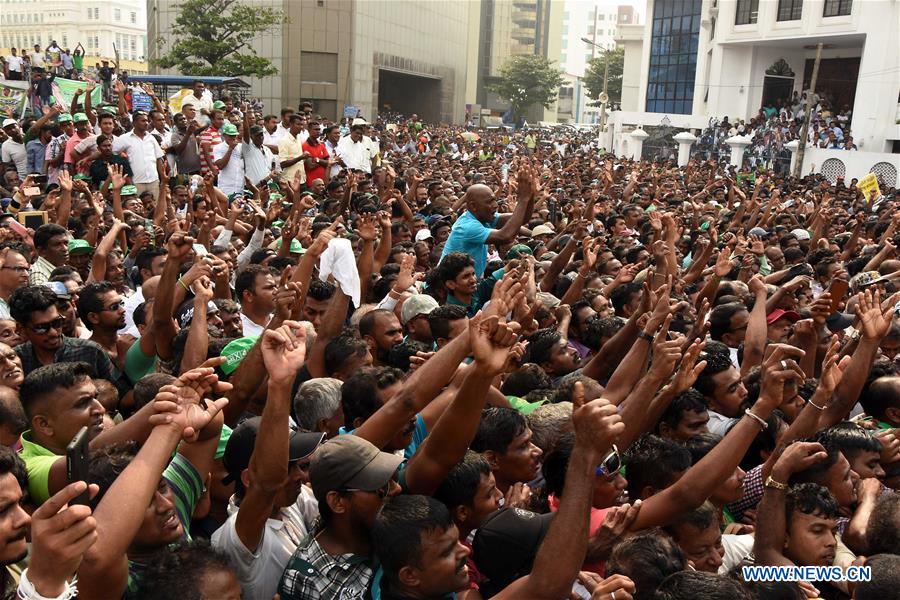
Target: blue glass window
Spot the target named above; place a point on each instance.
(673, 56)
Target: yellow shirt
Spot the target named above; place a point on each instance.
(291, 147)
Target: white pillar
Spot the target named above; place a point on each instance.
(637, 142)
(685, 139)
(793, 147)
(738, 144)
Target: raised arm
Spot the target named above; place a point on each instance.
(525, 193)
(755, 340)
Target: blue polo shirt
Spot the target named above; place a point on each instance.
(468, 236)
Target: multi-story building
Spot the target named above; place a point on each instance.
(701, 59)
(508, 28)
(403, 56)
(105, 28)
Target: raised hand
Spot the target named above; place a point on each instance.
(283, 351)
(179, 246)
(65, 181)
(797, 457)
(189, 393)
(723, 263)
(406, 278)
(596, 423)
(325, 236)
(876, 322)
(689, 369)
(618, 520)
(779, 366)
(365, 228)
(203, 289)
(491, 342)
(116, 176)
(61, 533)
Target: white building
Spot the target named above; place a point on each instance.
(701, 59)
(97, 24)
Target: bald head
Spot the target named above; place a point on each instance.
(149, 288)
(882, 400)
(481, 202)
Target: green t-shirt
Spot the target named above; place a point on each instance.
(138, 364)
(38, 461)
(78, 61)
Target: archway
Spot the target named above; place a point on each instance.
(778, 84)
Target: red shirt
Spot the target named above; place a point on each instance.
(316, 151)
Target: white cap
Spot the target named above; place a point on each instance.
(359, 121)
(800, 234)
(542, 230)
(7, 122)
(423, 234)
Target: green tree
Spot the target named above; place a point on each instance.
(212, 37)
(593, 76)
(528, 80)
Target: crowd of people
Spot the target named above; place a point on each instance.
(250, 355)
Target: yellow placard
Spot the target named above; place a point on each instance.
(868, 185)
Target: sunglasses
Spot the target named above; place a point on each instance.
(115, 306)
(44, 328)
(382, 492)
(610, 465)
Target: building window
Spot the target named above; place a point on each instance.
(790, 10)
(318, 67)
(746, 12)
(117, 14)
(837, 8)
(133, 17)
(673, 56)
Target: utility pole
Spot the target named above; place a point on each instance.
(604, 96)
(804, 130)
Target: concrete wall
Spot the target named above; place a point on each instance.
(849, 164)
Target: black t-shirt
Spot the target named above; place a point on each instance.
(105, 74)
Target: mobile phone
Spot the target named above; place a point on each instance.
(39, 179)
(551, 207)
(200, 250)
(837, 289)
(77, 463)
(31, 191)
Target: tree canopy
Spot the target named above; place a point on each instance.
(528, 80)
(213, 37)
(593, 76)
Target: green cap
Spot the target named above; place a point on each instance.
(522, 405)
(80, 118)
(704, 226)
(218, 104)
(82, 177)
(278, 223)
(64, 119)
(518, 249)
(275, 196)
(229, 129)
(77, 246)
(296, 247)
(128, 190)
(650, 208)
(235, 351)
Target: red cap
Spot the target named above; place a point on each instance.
(779, 313)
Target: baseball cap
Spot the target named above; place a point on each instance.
(547, 300)
(235, 351)
(240, 445)
(518, 249)
(507, 542)
(359, 121)
(185, 313)
(128, 190)
(64, 119)
(800, 234)
(542, 230)
(838, 322)
(524, 406)
(419, 304)
(229, 129)
(861, 280)
(9, 121)
(759, 232)
(423, 234)
(296, 247)
(79, 118)
(77, 246)
(218, 104)
(779, 313)
(350, 462)
(256, 129)
(58, 288)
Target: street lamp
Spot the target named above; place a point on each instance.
(604, 97)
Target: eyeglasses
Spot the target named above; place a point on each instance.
(115, 306)
(16, 269)
(382, 491)
(610, 465)
(44, 328)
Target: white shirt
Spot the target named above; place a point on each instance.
(355, 154)
(719, 424)
(231, 177)
(259, 572)
(271, 139)
(142, 155)
(250, 328)
(14, 63)
(737, 548)
(14, 152)
(37, 59)
(258, 163)
(131, 303)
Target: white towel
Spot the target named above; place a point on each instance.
(338, 261)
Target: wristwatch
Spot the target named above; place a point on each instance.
(775, 485)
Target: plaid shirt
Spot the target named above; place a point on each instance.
(753, 493)
(313, 574)
(76, 350)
